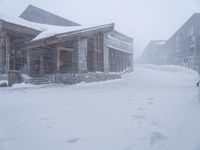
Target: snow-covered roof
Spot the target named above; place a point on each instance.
(64, 31)
(50, 30)
(21, 22)
(161, 43)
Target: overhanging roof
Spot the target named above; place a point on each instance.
(70, 34)
(16, 28)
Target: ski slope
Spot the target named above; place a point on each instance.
(153, 108)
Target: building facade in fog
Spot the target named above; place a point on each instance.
(154, 53)
(182, 48)
(43, 44)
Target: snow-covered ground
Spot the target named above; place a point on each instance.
(154, 108)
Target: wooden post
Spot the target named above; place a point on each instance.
(58, 60)
(1, 52)
(94, 54)
(7, 53)
(41, 64)
(57, 75)
(113, 61)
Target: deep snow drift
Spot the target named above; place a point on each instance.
(154, 108)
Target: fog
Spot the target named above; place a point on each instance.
(143, 20)
(79, 92)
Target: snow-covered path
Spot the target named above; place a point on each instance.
(154, 108)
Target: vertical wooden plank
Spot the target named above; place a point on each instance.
(7, 52)
(2, 56)
(122, 61)
(115, 61)
(57, 60)
(41, 64)
(94, 53)
(29, 60)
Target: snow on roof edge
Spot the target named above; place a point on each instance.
(65, 31)
(21, 22)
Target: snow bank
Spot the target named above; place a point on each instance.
(149, 109)
(171, 68)
(23, 85)
(3, 81)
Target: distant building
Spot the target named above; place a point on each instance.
(154, 53)
(62, 54)
(183, 48)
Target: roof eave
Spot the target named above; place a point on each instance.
(59, 38)
(4, 25)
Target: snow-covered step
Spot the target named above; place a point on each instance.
(40, 80)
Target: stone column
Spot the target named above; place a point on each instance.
(106, 54)
(1, 49)
(1, 54)
(8, 53)
(131, 61)
(132, 58)
(82, 55)
(28, 57)
(1, 60)
(95, 50)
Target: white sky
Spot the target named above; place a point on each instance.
(144, 20)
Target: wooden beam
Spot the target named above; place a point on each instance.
(65, 37)
(20, 29)
(66, 49)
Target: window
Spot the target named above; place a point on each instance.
(191, 31)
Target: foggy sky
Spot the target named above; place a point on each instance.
(144, 20)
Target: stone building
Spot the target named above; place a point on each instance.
(154, 53)
(182, 48)
(36, 47)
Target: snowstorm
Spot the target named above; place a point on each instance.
(100, 75)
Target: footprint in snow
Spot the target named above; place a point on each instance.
(157, 137)
(150, 98)
(74, 140)
(141, 117)
(154, 123)
(130, 147)
(8, 139)
(141, 109)
(130, 100)
(44, 118)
